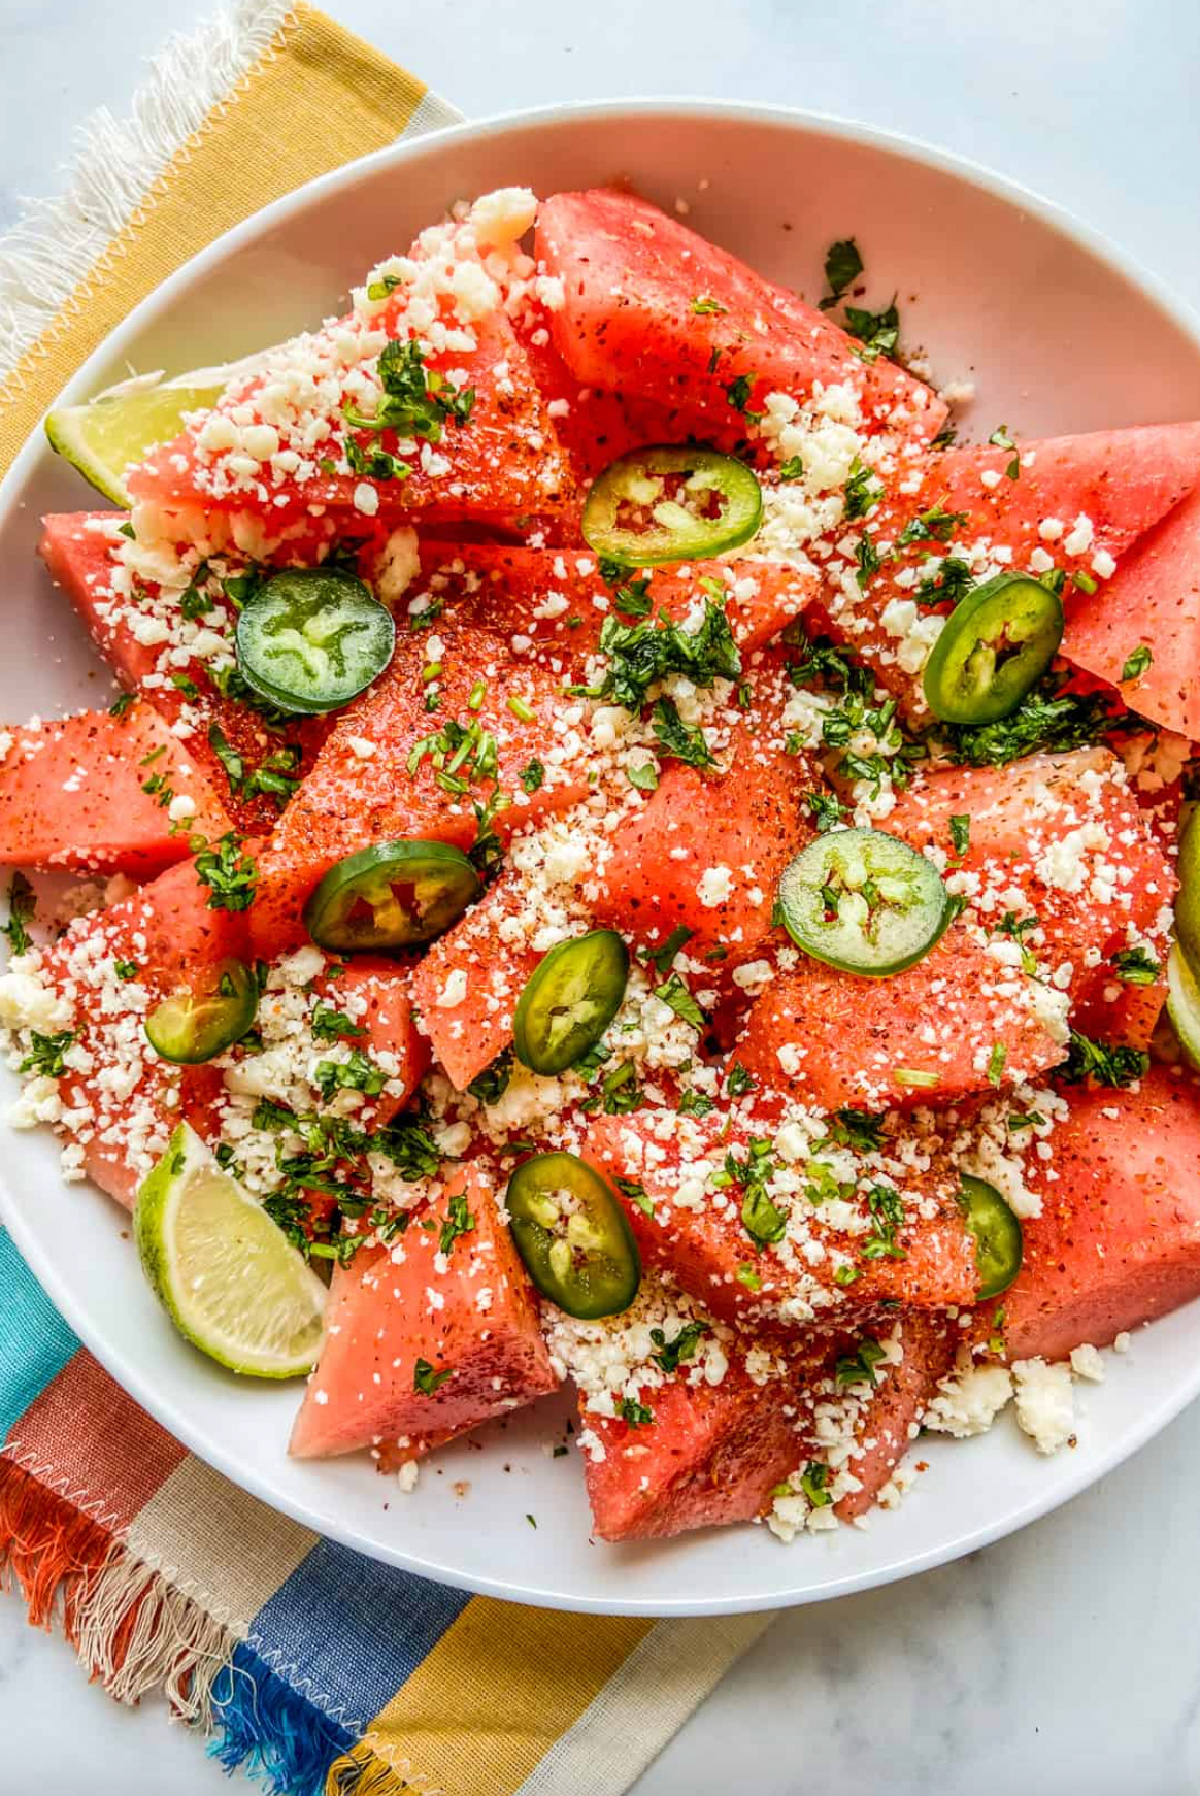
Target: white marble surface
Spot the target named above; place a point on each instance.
(1065, 1662)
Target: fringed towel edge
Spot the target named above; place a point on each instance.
(137, 1635)
(117, 161)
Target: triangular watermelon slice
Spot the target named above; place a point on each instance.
(422, 1342)
(97, 792)
(121, 1100)
(1153, 603)
(79, 549)
(1074, 502)
(652, 309)
(1118, 1239)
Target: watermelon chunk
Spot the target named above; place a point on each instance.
(595, 426)
(119, 1101)
(834, 1039)
(711, 1455)
(73, 794)
(501, 469)
(361, 789)
(1152, 602)
(1060, 838)
(890, 1418)
(706, 852)
(1118, 1239)
(388, 1024)
(630, 278)
(468, 1034)
(378, 1384)
(694, 1230)
(78, 549)
(1077, 500)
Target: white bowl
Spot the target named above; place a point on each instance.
(1058, 332)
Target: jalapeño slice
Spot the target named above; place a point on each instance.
(572, 1234)
(996, 645)
(671, 502)
(864, 902)
(191, 1026)
(311, 639)
(571, 997)
(390, 895)
(999, 1243)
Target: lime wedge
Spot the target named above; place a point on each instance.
(107, 435)
(1183, 1003)
(230, 1280)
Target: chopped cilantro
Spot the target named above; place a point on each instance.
(46, 1053)
(1107, 1063)
(634, 1413)
(675, 994)
(791, 469)
(857, 1129)
(642, 653)
(410, 1148)
(704, 305)
(645, 778)
(426, 1381)
(458, 1221)
(960, 833)
(358, 1073)
(679, 741)
(533, 776)
(668, 1356)
(866, 558)
(329, 1024)
(878, 332)
(123, 702)
(1000, 439)
(1137, 662)
(489, 1086)
(1047, 720)
(935, 525)
(860, 493)
(859, 1368)
(1135, 966)
(636, 1194)
(827, 811)
(663, 956)
(996, 1063)
(22, 904)
(230, 875)
(738, 394)
(738, 1081)
(814, 1482)
(947, 583)
(843, 265)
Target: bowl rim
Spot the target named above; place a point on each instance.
(1095, 243)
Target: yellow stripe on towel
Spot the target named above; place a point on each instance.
(497, 1691)
(317, 98)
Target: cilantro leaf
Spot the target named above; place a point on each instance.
(1115, 1065)
(675, 994)
(843, 265)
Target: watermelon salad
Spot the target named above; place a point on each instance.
(625, 853)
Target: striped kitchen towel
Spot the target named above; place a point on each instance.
(322, 1670)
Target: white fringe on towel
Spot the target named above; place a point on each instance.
(117, 162)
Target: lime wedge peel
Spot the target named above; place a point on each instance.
(230, 1280)
(105, 437)
(1183, 1004)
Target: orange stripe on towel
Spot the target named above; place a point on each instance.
(83, 1436)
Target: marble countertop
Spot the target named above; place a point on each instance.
(1065, 1661)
